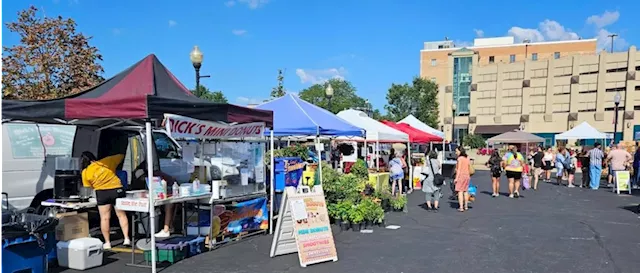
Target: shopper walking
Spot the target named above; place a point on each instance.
(586, 172)
(463, 177)
(397, 172)
(560, 165)
(595, 165)
(570, 166)
(547, 160)
(619, 160)
(432, 191)
(636, 165)
(537, 166)
(495, 165)
(513, 163)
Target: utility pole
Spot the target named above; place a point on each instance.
(612, 36)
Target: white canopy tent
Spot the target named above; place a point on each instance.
(375, 131)
(415, 122)
(583, 131)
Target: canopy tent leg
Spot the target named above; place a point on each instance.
(366, 152)
(271, 182)
(203, 174)
(152, 208)
(319, 158)
(377, 155)
(409, 165)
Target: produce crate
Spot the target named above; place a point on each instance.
(167, 255)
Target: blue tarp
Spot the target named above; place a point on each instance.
(293, 116)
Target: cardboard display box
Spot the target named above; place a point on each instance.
(72, 225)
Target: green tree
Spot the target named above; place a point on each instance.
(213, 96)
(420, 98)
(51, 60)
(278, 91)
(344, 96)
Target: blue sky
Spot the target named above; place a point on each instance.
(371, 43)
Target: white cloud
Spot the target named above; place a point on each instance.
(246, 100)
(607, 18)
(172, 23)
(315, 76)
(548, 30)
(479, 32)
(252, 4)
(239, 32)
(604, 41)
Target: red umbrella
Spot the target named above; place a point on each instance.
(415, 135)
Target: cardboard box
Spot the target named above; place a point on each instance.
(72, 225)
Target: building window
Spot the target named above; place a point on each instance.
(434, 62)
(512, 58)
(556, 55)
(462, 70)
(534, 56)
(492, 59)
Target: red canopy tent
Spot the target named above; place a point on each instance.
(415, 135)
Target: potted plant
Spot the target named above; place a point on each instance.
(385, 202)
(368, 209)
(343, 210)
(399, 202)
(332, 210)
(379, 212)
(356, 217)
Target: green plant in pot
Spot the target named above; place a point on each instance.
(368, 208)
(332, 209)
(399, 202)
(356, 217)
(343, 213)
(379, 212)
(385, 202)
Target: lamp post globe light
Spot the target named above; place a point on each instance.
(328, 92)
(454, 107)
(616, 102)
(196, 57)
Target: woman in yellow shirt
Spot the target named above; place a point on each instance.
(101, 176)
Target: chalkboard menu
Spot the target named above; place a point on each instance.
(30, 140)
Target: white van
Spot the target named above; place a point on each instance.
(29, 151)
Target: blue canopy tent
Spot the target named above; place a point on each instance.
(293, 116)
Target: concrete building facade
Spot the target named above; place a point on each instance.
(543, 88)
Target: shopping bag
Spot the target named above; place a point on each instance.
(472, 189)
(526, 182)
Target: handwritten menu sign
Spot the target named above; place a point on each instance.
(31, 140)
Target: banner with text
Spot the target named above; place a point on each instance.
(184, 127)
(238, 218)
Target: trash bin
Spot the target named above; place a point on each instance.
(27, 239)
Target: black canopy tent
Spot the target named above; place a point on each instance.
(141, 94)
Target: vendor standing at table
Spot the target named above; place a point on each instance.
(101, 176)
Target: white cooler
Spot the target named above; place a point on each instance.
(80, 254)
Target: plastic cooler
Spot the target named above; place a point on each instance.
(80, 254)
(23, 254)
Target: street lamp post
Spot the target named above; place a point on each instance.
(328, 92)
(453, 123)
(196, 59)
(616, 101)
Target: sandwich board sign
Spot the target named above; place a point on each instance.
(623, 181)
(303, 226)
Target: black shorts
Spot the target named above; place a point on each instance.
(571, 171)
(547, 166)
(108, 197)
(514, 175)
(496, 173)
